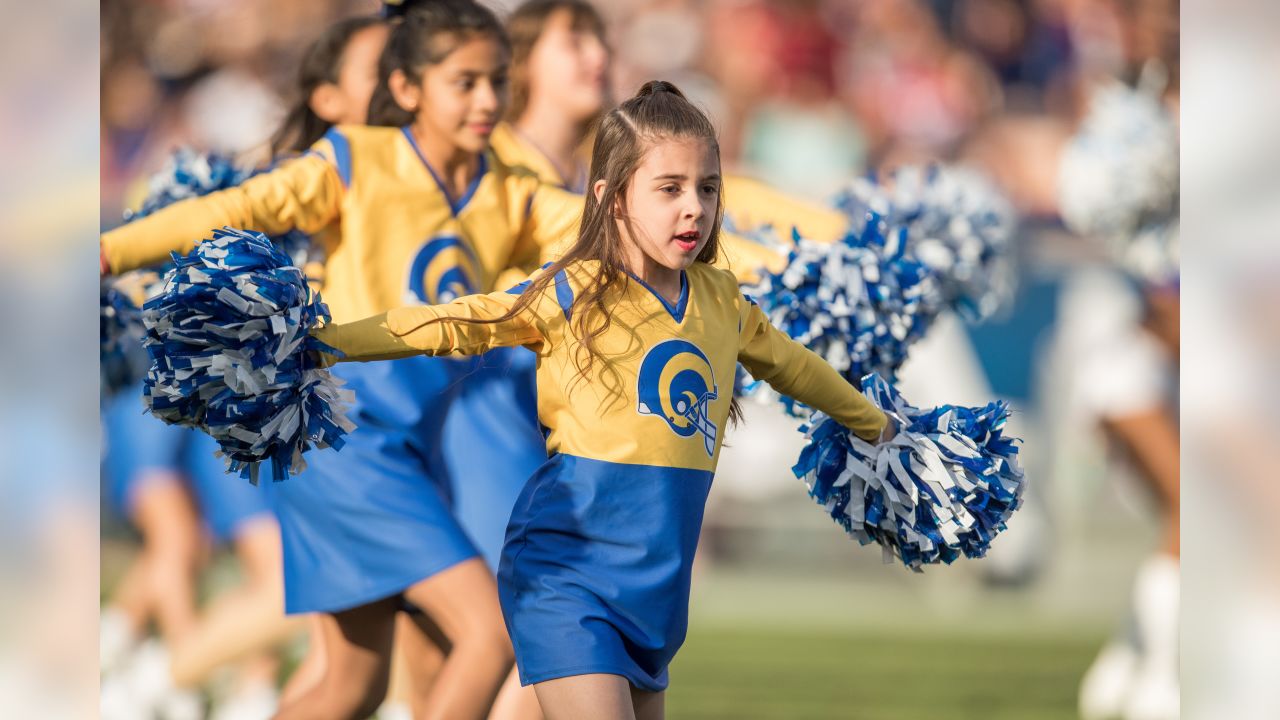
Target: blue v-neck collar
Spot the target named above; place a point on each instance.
(454, 206)
(682, 303)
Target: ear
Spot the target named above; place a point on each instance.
(598, 188)
(407, 94)
(327, 102)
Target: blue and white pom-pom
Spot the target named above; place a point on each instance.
(859, 303)
(943, 487)
(956, 222)
(1118, 180)
(188, 174)
(231, 354)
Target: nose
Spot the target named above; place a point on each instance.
(693, 208)
(488, 98)
(597, 55)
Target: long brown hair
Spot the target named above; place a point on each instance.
(525, 26)
(659, 111)
(320, 65)
(424, 33)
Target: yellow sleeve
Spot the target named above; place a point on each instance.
(797, 372)
(551, 227)
(414, 330)
(751, 203)
(303, 193)
(744, 258)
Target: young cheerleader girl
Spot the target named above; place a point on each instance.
(248, 617)
(637, 338)
(422, 214)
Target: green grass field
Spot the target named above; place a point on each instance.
(797, 674)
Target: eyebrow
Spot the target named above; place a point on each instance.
(676, 176)
(469, 73)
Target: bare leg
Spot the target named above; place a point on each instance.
(132, 595)
(172, 549)
(245, 620)
(418, 655)
(597, 696)
(463, 601)
(357, 645)
(649, 705)
(1151, 439)
(310, 671)
(515, 702)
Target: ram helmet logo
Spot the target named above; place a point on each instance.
(677, 384)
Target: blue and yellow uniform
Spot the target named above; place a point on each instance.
(374, 519)
(492, 443)
(595, 572)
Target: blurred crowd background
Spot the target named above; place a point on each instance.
(804, 91)
(789, 618)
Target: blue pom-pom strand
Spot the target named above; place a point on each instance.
(231, 353)
(943, 487)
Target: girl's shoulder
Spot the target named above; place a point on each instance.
(721, 280)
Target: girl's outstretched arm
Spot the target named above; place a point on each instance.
(436, 330)
(795, 371)
(302, 193)
(751, 203)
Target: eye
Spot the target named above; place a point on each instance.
(710, 189)
(466, 84)
(499, 81)
(670, 189)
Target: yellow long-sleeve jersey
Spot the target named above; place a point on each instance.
(662, 394)
(393, 234)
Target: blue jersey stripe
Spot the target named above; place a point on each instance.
(341, 154)
(564, 293)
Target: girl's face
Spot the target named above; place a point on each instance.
(347, 100)
(461, 98)
(671, 201)
(567, 66)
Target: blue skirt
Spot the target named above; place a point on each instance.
(493, 444)
(596, 569)
(373, 519)
(138, 446)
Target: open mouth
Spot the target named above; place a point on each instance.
(687, 241)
